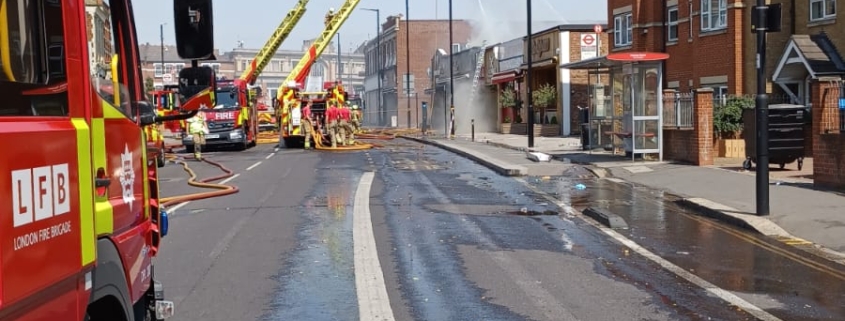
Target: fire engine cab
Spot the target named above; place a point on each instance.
(80, 220)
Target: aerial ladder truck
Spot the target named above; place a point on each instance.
(289, 97)
(235, 120)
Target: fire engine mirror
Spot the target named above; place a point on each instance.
(147, 113)
(194, 80)
(194, 29)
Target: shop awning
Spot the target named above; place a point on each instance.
(505, 77)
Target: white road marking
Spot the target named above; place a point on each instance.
(180, 205)
(694, 279)
(373, 301)
(669, 266)
(229, 179)
(271, 155)
(253, 166)
(224, 242)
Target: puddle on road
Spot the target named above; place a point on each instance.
(318, 281)
(767, 275)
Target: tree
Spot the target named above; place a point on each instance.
(544, 96)
(149, 85)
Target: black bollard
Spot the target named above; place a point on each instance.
(472, 128)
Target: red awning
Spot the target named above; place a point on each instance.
(504, 77)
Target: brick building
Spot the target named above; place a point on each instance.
(805, 63)
(705, 39)
(428, 36)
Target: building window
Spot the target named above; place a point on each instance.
(672, 24)
(456, 47)
(714, 14)
(720, 94)
(159, 70)
(214, 66)
(822, 9)
(623, 30)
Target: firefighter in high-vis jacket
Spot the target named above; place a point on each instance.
(332, 115)
(307, 125)
(347, 135)
(198, 128)
(356, 119)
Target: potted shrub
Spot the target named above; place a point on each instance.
(728, 125)
(544, 97)
(507, 100)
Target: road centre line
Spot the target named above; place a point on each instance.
(271, 155)
(229, 179)
(253, 166)
(180, 205)
(373, 300)
(725, 295)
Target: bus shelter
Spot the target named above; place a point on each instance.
(625, 112)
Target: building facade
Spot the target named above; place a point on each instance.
(232, 64)
(163, 70)
(390, 63)
(706, 40)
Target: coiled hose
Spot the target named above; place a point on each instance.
(221, 189)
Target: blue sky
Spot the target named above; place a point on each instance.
(252, 21)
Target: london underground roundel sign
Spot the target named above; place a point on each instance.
(638, 56)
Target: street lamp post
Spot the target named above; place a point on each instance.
(451, 77)
(161, 35)
(408, 60)
(378, 62)
(528, 81)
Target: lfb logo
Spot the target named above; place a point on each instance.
(40, 193)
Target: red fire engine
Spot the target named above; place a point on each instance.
(81, 221)
(235, 118)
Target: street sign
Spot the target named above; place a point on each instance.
(587, 40)
(168, 78)
(597, 28)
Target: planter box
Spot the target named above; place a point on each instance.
(547, 130)
(731, 148)
(518, 129)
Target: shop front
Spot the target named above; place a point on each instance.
(545, 82)
(626, 116)
(506, 79)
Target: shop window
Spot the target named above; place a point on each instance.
(32, 60)
(623, 30)
(822, 9)
(672, 24)
(714, 15)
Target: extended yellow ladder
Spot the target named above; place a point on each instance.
(300, 72)
(267, 52)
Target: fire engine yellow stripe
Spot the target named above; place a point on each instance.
(297, 130)
(146, 179)
(104, 212)
(111, 112)
(86, 191)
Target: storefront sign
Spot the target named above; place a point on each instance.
(544, 46)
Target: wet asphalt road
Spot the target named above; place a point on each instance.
(458, 242)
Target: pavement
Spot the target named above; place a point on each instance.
(805, 218)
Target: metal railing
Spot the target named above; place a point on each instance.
(678, 110)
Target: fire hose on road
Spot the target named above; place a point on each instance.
(221, 189)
